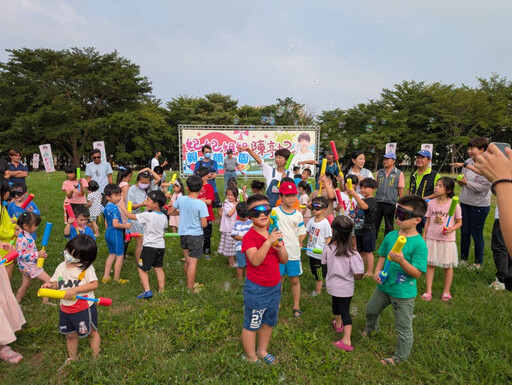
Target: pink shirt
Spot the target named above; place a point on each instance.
(339, 281)
(71, 185)
(227, 222)
(438, 215)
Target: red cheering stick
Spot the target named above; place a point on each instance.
(27, 201)
(336, 157)
(9, 257)
(71, 214)
(341, 203)
(129, 236)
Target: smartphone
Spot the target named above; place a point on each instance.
(502, 146)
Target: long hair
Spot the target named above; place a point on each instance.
(341, 231)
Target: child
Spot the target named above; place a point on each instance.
(28, 254)
(74, 189)
(207, 195)
(442, 249)
(11, 317)
(7, 232)
(329, 183)
(257, 187)
(240, 228)
(94, 202)
(344, 264)
(193, 219)
(291, 224)
(399, 289)
(226, 243)
(153, 248)
(124, 176)
(19, 194)
(297, 176)
(114, 234)
(262, 288)
(178, 191)
(156, 184)
(320, 233)
(232, 182)
(304, 191)
(76, 276)
(82, 217)
(364, 222)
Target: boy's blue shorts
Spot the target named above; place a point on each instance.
(240, 259)
(291, 268)
(261, 305)
(115, 242)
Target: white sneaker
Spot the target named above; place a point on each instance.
(497, 285)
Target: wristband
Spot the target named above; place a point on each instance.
(499, 181)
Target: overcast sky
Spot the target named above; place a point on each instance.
(325, 54)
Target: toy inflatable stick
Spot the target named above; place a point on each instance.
(287, 165)
(322, 171)
(336, 157)
(44, 242)
(314, 251)
(59, 294)
(341, 203)
(78, 177)
(397, 247)
(27, 201)
(171, 235)
(173, 179)
(9, 257)
(129, 236)
(71, 214)
(451, 211)
(273, 224)
(129, 206)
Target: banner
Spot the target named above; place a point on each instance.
(100, 146)
(430, 148)
(390, 147)
(46, 153)
(302, 141)
(35, 161)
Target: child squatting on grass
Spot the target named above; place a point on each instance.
(262, 289)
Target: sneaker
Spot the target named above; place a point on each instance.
(464, 263)
(145, 295)
(207, 257)
(497, 285)
(314, 294)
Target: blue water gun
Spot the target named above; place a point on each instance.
(273, 224)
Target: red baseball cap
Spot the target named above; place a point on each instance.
(288, 188)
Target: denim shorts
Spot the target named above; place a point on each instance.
(261, 305)
(240, 259)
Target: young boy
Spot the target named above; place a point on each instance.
(19, 195)
(364, 221)
(114, 233)
(82, 217)
(240, 228)
(399, 289)
(193, 219)
(262, 289)
(328, 186)
(207, 195)
(320, 233)
(291, 224)
(153, 246)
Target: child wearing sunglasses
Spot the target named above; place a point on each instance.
(400, 288)
(262, 289)
(19, 195)
(319, 234)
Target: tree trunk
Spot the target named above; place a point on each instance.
(76, 155)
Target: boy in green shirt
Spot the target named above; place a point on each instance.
(399, 289)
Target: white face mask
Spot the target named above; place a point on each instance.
(69, 258)
(143, 186)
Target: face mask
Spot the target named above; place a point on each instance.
(69, 258)
(208, 155)
(143, 186)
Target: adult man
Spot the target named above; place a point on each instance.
(17, 170)
(212, 167)
(423, 180)
(155, 162)
(99, 171)
(230, 166)
(391, 187)
(332, 166)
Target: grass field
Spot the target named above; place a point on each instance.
(182, 338)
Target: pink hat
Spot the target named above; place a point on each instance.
(288, 188)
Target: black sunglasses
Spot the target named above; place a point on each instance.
(403, 214)
(17, 193)
(96, 157)
(255, 212)
(318, 206)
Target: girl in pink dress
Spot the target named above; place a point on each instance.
(178, 191)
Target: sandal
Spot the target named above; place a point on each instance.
(388, 361)
(297, 313)
(343, 346)
(427, 297)
(269, 359)
(446, 297)
(9, 355)
(337, 329)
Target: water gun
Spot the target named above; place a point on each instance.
(59, 294)
(78, 177)
(173, 179)
(451, 212)
(314, 251)
(171, 235)
(336, 157)
(273, 224)
(129, 236)
(287, 165)
(71, 214)
(25, 204)
(44, 243)
(397, 248)
(10, 256)
(322, 171)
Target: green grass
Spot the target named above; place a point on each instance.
(183, 338)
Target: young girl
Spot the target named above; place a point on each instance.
(28, 254)
(76, 276)
(304, 191)
(11, 317)
(73, 188)
(94, 203)
(6, 225)
(344, 264)
(228, 219)
(178, 191)
(137, 195)
(442, 249)
(124, 176)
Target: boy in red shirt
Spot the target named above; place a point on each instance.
(207, 195)
(262, 289)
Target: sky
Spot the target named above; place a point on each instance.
(324, 54)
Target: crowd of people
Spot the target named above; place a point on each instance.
(264, 230)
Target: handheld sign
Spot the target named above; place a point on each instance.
(44, 242)
(59, 294)
(27, 201)
(397, 247)
(71, 214)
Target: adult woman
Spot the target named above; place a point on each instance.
(475, 202)
(356, 167)
(17, 170)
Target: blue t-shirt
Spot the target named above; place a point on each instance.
(112, 212)
(212, 167)
(73, 232)
(15, 211)
(191, 212)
